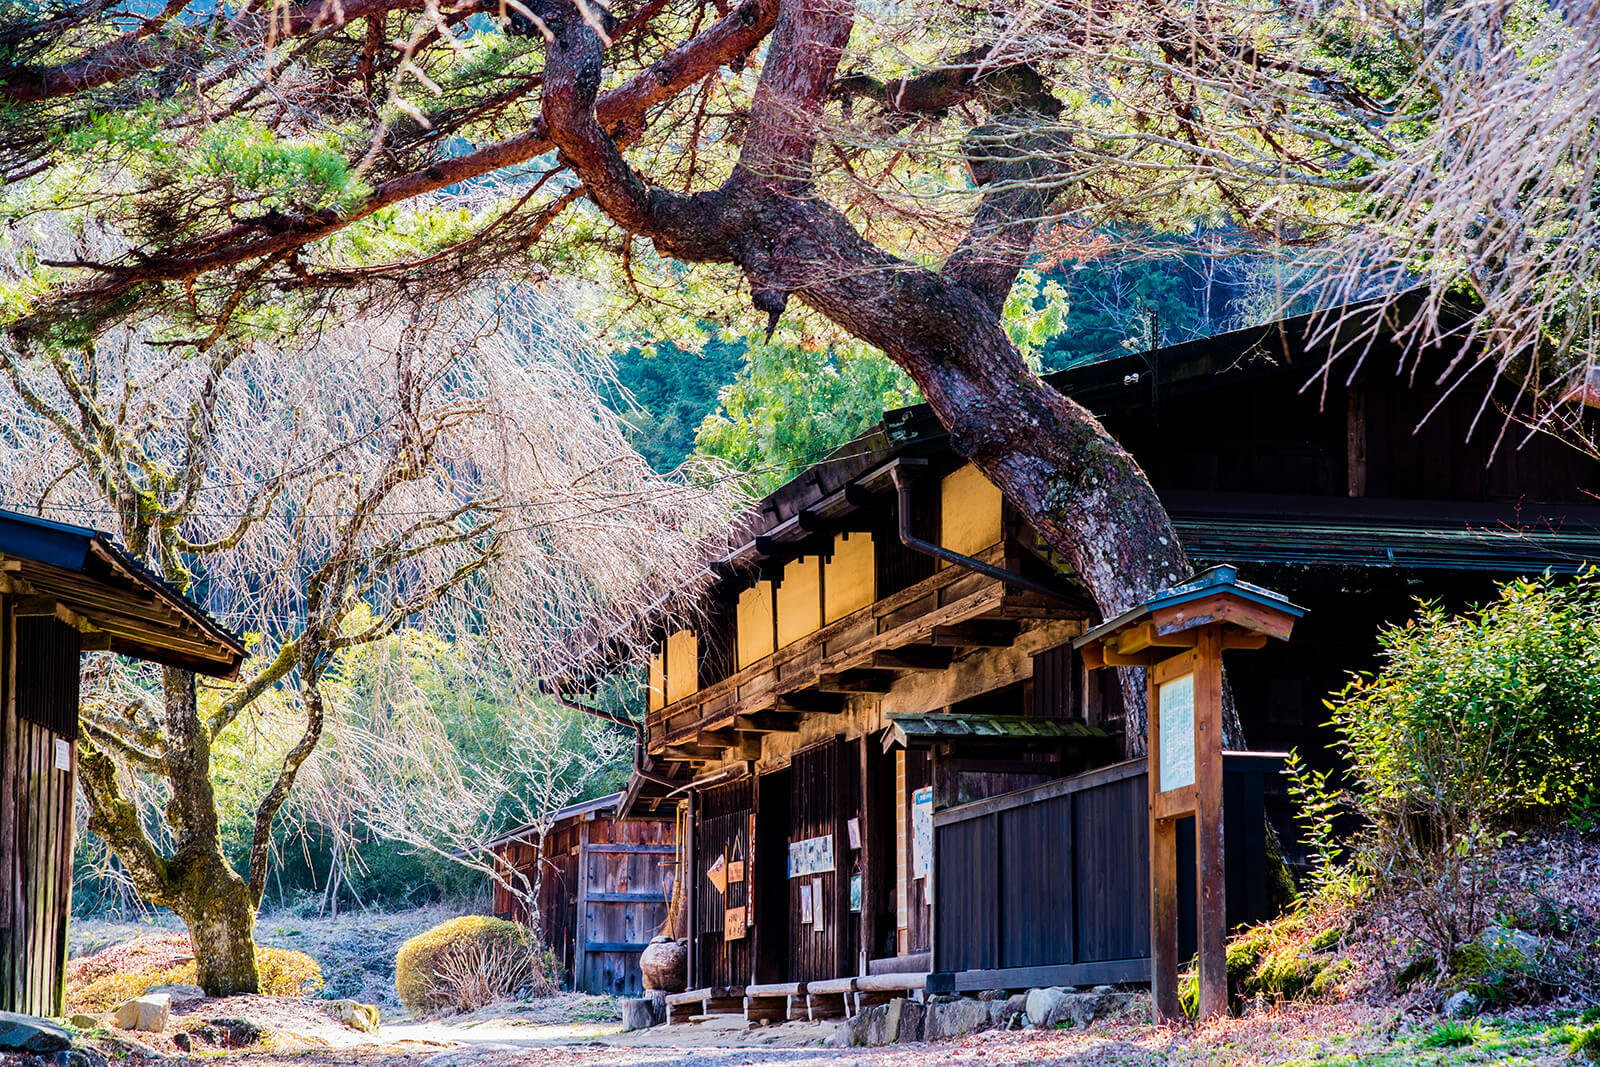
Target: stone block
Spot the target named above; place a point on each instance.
(29, 1033)
(149, 1013)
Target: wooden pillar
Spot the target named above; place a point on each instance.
(691, 885)
(1210, 877)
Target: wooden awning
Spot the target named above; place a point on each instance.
(908, 729)
(87, 580)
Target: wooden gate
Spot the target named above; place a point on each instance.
(38, 761)
(625, 880)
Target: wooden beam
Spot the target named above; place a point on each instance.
(858, 680)
(808, 701)
(767, 722)
(978, 633)
(913, 658)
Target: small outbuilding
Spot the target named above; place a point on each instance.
(603, 884)
(65, 590)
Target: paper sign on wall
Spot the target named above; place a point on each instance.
(817, 897)
(805, 902)
(718, 874)
(922, 832)
(814, 855)
(736, 871)
(853, 828)
(1177, 732)
(63, 754)
(733, 924)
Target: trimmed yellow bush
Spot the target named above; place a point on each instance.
(471, 961)
(102, 981)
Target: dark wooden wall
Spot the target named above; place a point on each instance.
(722, 829)
(1246, 431)
(826, 784)
(38, 720)
(1050, 885)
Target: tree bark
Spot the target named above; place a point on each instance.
(195, 881)
(1051, 458)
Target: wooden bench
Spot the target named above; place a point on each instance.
(830, 999)
(776, 1002)
(712, 1000)
(882, 988)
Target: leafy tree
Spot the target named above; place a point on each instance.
(888, 168)
(671, 390)
(789, 408)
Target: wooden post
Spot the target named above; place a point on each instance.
(1210, 876)
(1179, 637)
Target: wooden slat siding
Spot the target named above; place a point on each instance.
(898, 566)
(39, 685)
(1036, 862)
(826, 793)
(964, 916)
(723, 818)
(1055, 684)
(47, 687)
(718, 659)
(1050, 884)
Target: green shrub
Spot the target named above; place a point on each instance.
(471, 961)
(1498, 707)
(1584, 1044)
(1477, 724)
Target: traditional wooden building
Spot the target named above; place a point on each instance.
(603, 883)
(894, 769)
(65, 590)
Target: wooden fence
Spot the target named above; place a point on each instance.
(1050, 885)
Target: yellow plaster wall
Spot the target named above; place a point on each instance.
(656, 686)
(969, 511)
(800, 600)
(683, 665)
(753, 621)
(850, 577)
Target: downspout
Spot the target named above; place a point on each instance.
(902, 485)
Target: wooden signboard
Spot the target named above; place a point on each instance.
(1179, 637)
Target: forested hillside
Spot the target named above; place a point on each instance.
(772, 408)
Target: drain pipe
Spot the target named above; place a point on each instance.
(599, 713)
(902, 485)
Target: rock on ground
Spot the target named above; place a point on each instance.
(354, 1014)
(28, 1033)
(149, 1013)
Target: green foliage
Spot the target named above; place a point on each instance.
(789, 407)
(1476, 725)
(442, 968)
(1457, 1033)
(674, 389)
(1317, 808)
(1584, 1042)
(1294, 956)
(1498, 706)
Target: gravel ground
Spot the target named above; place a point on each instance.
(1367, 1034)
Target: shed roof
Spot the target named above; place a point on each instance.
(114, 596)
(610, 804)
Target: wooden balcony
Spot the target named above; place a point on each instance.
(916, 629)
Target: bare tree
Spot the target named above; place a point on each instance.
(451, 469)
(393, 765)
